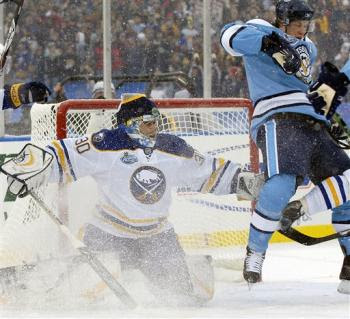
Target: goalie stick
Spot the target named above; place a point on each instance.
(91, 259)
(307, 240)
(11, 31)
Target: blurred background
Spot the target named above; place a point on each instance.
(61, 39)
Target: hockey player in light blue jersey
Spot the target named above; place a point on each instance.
(326, 94)
(291, 132)
(346, 69)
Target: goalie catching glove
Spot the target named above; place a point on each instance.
(282, 53)
(28, 170)
(24, 93)
(327, 92)
(247, 185)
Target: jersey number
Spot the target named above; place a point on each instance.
(82, 145)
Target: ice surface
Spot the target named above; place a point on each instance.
(299, 282)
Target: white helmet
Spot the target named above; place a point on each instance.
(98, 90)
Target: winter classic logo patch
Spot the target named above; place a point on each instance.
(147, 184)
(128, 158)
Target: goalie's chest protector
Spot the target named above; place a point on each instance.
(143, 177)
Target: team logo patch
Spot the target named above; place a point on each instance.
(129, 158)
(98, 137)
(147, 184)
(198, 157)
(304, 72)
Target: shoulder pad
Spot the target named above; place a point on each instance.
(111, 140)
(173, 145)
(260, 22)
(307, 39)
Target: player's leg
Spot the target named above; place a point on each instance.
(330, 160)
(286, 146)
(341, 221)
(163, 262)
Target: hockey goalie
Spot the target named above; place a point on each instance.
(135, 167)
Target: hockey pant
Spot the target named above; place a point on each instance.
(162, 261)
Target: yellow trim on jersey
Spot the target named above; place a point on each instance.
(124, 218)
(208, 186)
(333, 191)
(63, 162)
(133, 231)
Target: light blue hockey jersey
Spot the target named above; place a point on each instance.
(271, 89)
(346, 69)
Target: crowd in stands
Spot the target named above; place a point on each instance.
(60, 38)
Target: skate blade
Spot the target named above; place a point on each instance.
(253, 284)
(250, 285)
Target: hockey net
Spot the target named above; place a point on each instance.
(208, 224)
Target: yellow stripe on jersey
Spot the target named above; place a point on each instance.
(133, 231)
(63, 162)
(211, 182)
(333, 191)
(124, 218)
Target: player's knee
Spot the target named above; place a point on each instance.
(276, 193)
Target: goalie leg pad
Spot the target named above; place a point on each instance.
(202, 277)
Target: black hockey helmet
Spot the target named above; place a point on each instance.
(292, 10)
(136, 106)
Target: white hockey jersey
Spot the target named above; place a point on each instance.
(134, 182)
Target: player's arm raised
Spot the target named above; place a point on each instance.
(15, 95)
(243, 40)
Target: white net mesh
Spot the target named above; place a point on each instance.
(204, 222)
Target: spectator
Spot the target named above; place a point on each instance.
(98, 91)
(60, 38)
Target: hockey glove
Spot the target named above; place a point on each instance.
(339, 131)
(24, 93)
(282, 53)
(327, 93)
(28, 170)
(291, 213)
(248, 185)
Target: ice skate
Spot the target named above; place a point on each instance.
(252, 267)
(344, 286)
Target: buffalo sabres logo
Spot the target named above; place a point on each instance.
(147, 184)
(304, 72)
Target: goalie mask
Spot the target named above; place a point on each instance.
(140, 117)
